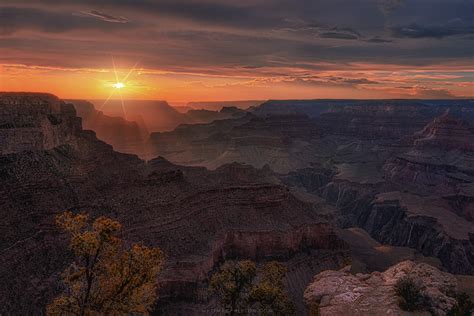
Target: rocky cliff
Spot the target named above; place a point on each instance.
(279, 141)
(35, 122)
(386, 120)
(341, 293)
(125, 136)
(390, 167)
(198, 217)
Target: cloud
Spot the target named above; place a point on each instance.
(103, 16)
(416, 91)
(14, 19)
(455, 27)
(321, 30)
(429, 92)
(338, 35)
(249, 38)
(389, 6)
(378, 40)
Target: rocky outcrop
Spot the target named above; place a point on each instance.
(35, 122)
(441, 162)
(125, 136)
(281, 245)
(406, 220)
(446, 133)
(219, 105)
(385, 120)
(157, 115)
(341, 293)
(205, 116)
(279, 142)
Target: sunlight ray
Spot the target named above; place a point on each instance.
(115, 70)
(131, 70)
(110, 95)
(123, 105)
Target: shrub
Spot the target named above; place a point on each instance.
(410, 294)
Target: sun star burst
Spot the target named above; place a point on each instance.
(118, 85)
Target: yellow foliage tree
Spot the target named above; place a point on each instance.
(105, 277)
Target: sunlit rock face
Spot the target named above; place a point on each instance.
(341, 293)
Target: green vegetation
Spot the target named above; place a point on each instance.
(410, 295)
(105, 278)
(237, 289)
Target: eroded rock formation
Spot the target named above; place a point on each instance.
(199, 218)
(342, 293)
(125, 136)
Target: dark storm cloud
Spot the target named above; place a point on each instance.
(16, 19)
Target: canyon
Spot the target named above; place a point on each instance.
(197, 217)
(401, 170)
(315, 184)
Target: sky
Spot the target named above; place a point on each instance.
(190, 50)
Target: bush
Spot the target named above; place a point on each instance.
(410, 294)
(463, 307)
(239, 289)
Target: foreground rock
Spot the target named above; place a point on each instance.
(341, 293)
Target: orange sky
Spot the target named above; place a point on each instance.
(186, 50)
(182, 86)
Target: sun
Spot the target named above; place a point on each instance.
(118, 85)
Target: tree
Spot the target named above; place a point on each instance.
(269, 294)
(233, 283)
(237, 289)
(105, 277)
